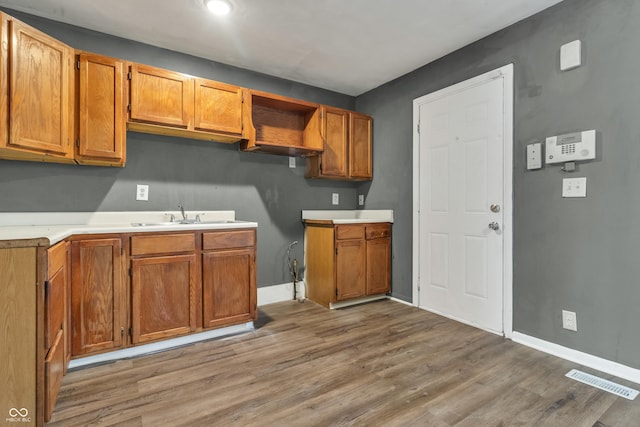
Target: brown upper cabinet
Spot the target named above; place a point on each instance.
(218, 107)
(100, 108)
(37, 95)
(160, 97)
(281, 125)
(347, 148)
(170, 103)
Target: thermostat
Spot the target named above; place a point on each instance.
(570, 147)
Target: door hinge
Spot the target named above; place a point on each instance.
(122, 331)
(131, 271)
(78, 65)
(336, 292)
(418, 127)
(78, 142)
(129, 108)
(336, 251)
(129, 75)
(131, 331)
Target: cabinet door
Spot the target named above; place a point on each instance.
(378, 266)
(360, 165)
(228, 286)
(218, 107)
(350, 269)
(333, 160)
(98, 314)
(160, 96)
(54, 367)
(101, 110)
(163, 297)
(40, 92)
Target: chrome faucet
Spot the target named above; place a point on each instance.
(184, 215)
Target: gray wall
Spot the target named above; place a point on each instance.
(201, 175)
(574, 254)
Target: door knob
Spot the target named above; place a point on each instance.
(495, 208)
(494, 226)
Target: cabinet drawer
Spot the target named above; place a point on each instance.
(162, 244)
(229, 239)
(53, 372)
(54, 306)
(349, 231)
(378, 231)
(56, 257)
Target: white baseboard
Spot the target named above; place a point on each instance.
(279, 293)
(160, 346)
(356, 301)
(401, 301)
(585, 359)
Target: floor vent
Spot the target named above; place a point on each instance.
(602, 384)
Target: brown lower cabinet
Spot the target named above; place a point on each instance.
(163, 286)
(84, 302)
(347, 261)
(228, 277)
(98, 308)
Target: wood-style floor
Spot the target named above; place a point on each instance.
(377, 364)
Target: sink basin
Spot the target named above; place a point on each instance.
(184, 222)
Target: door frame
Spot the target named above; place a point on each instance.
(506, 74)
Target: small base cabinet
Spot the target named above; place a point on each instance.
(98, 309)
(163, 286)
(347, 261)
(228, 278)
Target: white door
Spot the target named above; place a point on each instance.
(461, 204)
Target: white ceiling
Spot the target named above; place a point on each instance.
(349, 46)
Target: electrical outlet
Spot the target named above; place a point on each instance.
(292, 162)
(361, 199)
(335, 199)
(569, 320)
(142, 192)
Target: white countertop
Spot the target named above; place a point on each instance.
(349, 216)
(56, 226)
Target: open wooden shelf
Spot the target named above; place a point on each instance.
(284, 126)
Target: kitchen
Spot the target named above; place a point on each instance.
(262, 188)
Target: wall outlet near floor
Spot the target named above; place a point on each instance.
(569, 320)
(361, 200)
(335, 199)
(292, 162)
(142, 192)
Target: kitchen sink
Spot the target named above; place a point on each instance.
(187, 222)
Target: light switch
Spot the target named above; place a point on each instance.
(570, 55)
(335, 199)
(292, 162)
(534, 156)
(574, 187)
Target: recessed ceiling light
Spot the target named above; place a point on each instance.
(219, 7)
